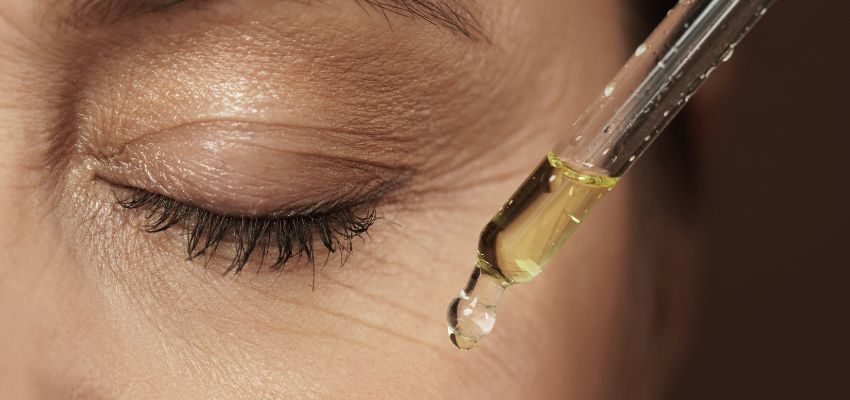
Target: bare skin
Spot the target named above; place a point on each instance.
(249, 107)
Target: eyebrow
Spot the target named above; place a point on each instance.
(455, 15)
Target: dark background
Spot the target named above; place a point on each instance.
(768, 142)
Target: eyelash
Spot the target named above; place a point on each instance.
(286, 237)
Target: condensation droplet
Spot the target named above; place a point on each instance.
(727, 54)
(609, 89)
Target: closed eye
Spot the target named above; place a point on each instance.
(267, 239)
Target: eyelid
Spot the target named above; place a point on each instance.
(241, 168)
(289, 237)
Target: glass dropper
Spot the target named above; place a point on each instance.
(605, 141)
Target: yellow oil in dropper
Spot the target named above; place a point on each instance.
(516, 244)
(653, 86)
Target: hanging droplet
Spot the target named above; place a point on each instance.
(472, 314)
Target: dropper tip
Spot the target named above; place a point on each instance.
(472, 314)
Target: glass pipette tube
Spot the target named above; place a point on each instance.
(618, 126)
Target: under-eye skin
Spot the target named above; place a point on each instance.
(272, 240)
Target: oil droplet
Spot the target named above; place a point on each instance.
(609, 89)
(667, 113)
(646, 139)
(472, 314)
(632, 158)
(640, 50)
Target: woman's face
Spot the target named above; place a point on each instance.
(281, 114)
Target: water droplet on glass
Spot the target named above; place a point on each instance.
(609, 89)
(727, 54)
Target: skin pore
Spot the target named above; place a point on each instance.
(254, 107)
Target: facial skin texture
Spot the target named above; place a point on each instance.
(249, 107)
